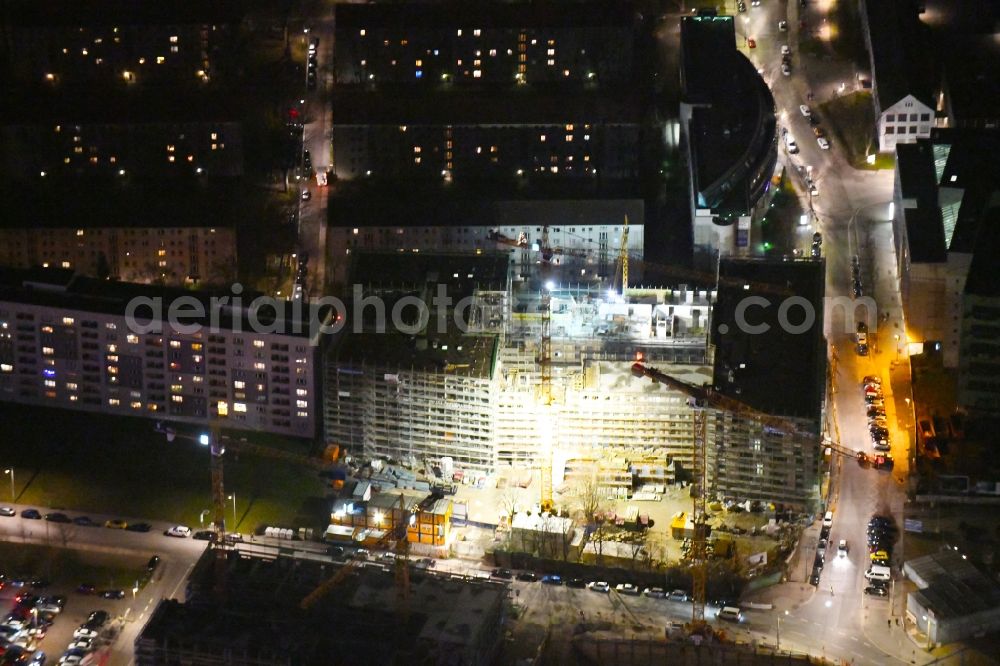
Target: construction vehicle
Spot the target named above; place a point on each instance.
(218, 446)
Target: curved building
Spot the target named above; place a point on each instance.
(729, 130)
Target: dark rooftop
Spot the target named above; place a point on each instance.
(916, 174)
(778, 372)
(900, 45)
(415, 105)
(90, 203)
(52, 13)
(972, 77)
(951, 586)
(732, 125)
(435, 205)
(493, 15)
(983, 279)
(925, 235)
(63, 289)
(115, 105)
(461, 272)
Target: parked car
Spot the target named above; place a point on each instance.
(31, 514)
(527, 576)
(85, 632)
(179, 531)
(627, 588)
(116, 524)
(98, 618)
(86, 588)
(785, 50)
(7, 512)
(655, 592)
(877, 591)
(678, 595)
(204, 535)
(598, 586)
(84, 521)
(783, 26)
(58, 518)
(139, 527)
(842, 548)
(786, 69)
(552, 579)
(803, 109)
(113, 594)
(154, 562)
(823, 143)
(576, 582)
(505, 574)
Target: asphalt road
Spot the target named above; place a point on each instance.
(130, 614)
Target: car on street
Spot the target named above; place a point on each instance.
(751, 42)
(655, 592)
(116, 524)
(783, 26)
(872, 379)
(785, 50)
(86, 588)
(527, 576)
(72, 658)
(306, 195)
(805, 110)
(505, 574)
(37, 659)
(85, 644)
(113, 594)
(84, 521)
(842, 548)
(154, 562)
(58, 518)
(814, 578)
(741, 6)
(627, 588)
(552, 579)
(598, 586)
(98, 618)
(179, 531)
(678, 595)
(8, 512)
(823, 143)
(786, 69)
(139, 527)
(31, 514)
(813, 189)
(576, 582)
(204, 535)
(877, 591)
(85, 632)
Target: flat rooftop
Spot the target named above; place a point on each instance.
(113, 105)
(951, 586)
(89, 203)
(259, 617)
(780, 372)
(451, 353)
(54, 13)
(899, 51)
(732, 123)
(63, 289)
(415, 105)
(464, 274)
(497, 16)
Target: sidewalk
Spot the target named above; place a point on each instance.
(783, 596)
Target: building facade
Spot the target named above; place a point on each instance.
(179, 255)
(85, 344)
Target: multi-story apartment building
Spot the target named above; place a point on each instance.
(586, 232)
(944, 203)
(81, 343)
(463, 43)
(979, 357)
(172, 255)
(156, 138)
(473, 398)
(66, 43)
(728, 127)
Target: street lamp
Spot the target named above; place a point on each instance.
(233, 497)
(10, 470)
(777, 636)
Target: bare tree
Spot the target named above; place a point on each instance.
(589, 498)
(511, 501)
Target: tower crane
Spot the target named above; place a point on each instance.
(217, 446)
(395, 539)
(703, 398)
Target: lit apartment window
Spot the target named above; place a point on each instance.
(112, 369)
(112, 358)
(363, 32)
(476, 73)
(112, 348)
(110, 326)
(550, 62)
(301, 392)
(240, 407)
(223, 408)
(259, 344)
(68, 321)
(46, 329)
(302, 415)
(6, 367)
(161, 253)
(114, 402)
(197, 379)
(551, 52)
(132, 339)
(173, 39)
(71, 386)
(259, 366)
(73, 398)
(542, 138)
(135, 404)
(48, 351)
(195, 346)
(301, 404)
(177, 398)
(760, 469)
(176, 388)
(50, 383)
(239, 384)
(476, 32)
(79, 232)
(175, 344)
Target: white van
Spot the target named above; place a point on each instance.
(731, 614)
(878, 572)
(828, 519)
